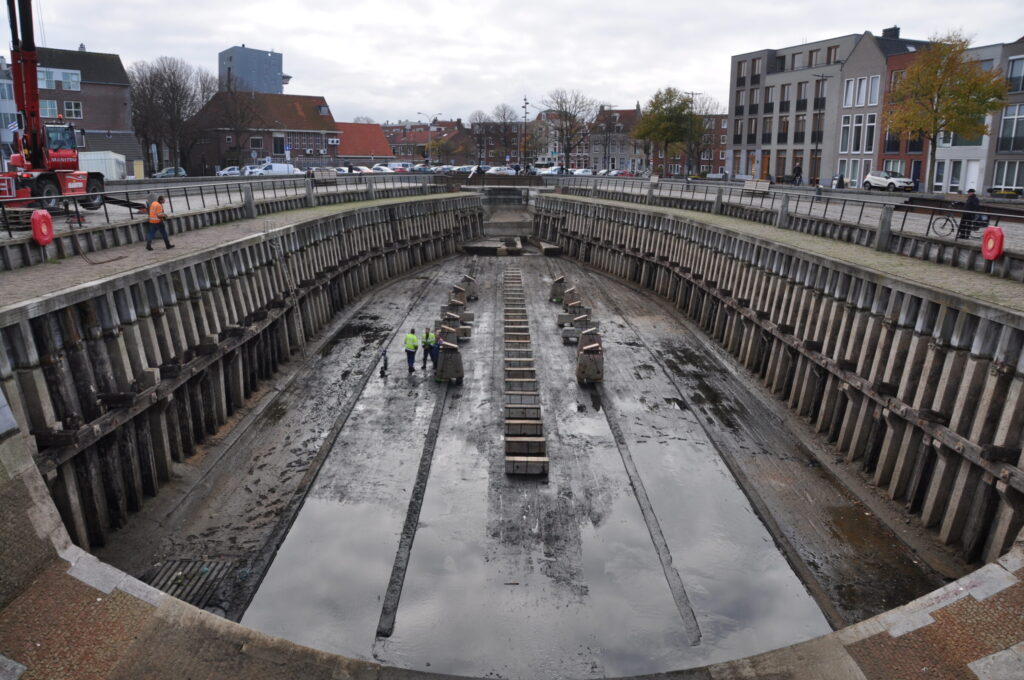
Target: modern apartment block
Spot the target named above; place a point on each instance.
(779, 102)
(247, 70)
(836, 90)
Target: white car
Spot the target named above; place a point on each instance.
(230, 171)
(500, 170)
(585, 172)
(888, 180)
(383, 170)
(361, 170)
(553, 170)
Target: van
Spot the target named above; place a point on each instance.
(274, 169)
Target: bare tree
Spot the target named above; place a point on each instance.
(701, 129)
(169, 93)
(479, 125)
(236, 111)
(505, 124)
(363, 119)
(573, 112)
(147, 116)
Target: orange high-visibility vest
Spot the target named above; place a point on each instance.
(156, 213)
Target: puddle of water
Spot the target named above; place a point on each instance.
(331, 602)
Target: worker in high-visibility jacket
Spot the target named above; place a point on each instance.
(429, 348)
(412, 343)
(156, 223)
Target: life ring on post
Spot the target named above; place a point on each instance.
(992, 243)
(42, 227)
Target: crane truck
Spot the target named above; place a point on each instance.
(44, 162)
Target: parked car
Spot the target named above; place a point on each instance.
(888, 180)
(230, 171)
(344, 170)
(621, 173)
(553, 170)
(400, 166)
(422, 167)
(501, 170)
(382, 170)
(275, 169)
(602, 173)
(362, 170)
(248, 169)
(170, 172)
(584, 172)
(463, 169)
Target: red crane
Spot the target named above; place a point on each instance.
(44, 164)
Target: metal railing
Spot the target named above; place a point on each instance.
(125, 205)
(933, 221)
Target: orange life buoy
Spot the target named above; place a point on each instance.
(42, 227)
(992, 243)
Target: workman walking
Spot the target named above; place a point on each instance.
(156, 223)
(429, 348)
(412, 343)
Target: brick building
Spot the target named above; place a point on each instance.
(362, 144)
(240, 128)
(91, 91)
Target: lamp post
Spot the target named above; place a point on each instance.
(816, 162)
(522, 138)
(430, 118)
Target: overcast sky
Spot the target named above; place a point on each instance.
(389, 59)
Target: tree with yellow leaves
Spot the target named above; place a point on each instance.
(944, 91)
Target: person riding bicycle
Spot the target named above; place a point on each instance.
(969, 220)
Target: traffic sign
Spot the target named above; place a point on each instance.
(287, 147)
(255, 155)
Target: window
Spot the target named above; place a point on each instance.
(1015, 74)
(1011, 133)
(47, 108)
(940, 175)
(869, 134)
(323, 110)
(842, 167)
(756, 70)
(255, 142)
(741, 97)
(725, 124)
(755, 97)
(72, 109)
(894, 165)
(46, 81)
(71, 81)
(741, 69)
(858, 129)
(954, 176)
(6, 119)
(278, 146)
(848, 93)
(814, 57)
(895, 79)
(6, 91)
(722, 140)
(228, 139)
(721, 155)
(801, 90)
(862, 91)
(820, 88)
(832, 54)
(1009, 175)
(796, 60)
(784, 92)
(769, 94)
(873, 90)
(844, 137)
(854, 172)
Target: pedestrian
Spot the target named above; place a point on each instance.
(968, 220)
(429, 340)
(156, 223)
(797, 173)
(412, 343)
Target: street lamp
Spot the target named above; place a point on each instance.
(522, 137)
(430, 117)
(817, 134)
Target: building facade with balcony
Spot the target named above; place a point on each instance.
(777, 96)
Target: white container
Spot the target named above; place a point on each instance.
(110, 164)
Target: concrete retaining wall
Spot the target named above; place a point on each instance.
(118, 380)
(924, 392)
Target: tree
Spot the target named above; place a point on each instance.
(572, 112)
(478, 125)
(166, 96)
(505, 123)
(237, 112)
(698, 135)
(535, 142)
(943, 91)
(668, 119)
(362, 119)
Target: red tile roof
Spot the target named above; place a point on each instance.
(362, 139)
(270, 111)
